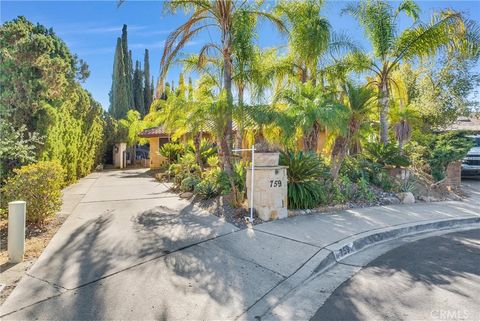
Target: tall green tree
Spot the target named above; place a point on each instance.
(148, 89)
(218, 15)
(35, 66)
(119, 101)
(128, 64)
(49, 115)
(138, 90)
(446, 30)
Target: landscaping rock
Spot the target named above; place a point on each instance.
(390, 200)
(186, 195)
(406, 197)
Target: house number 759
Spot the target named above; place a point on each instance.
(275, 183)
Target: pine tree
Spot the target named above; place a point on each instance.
(118, 94)
(147, 94)
(127, 62)
(138, 90)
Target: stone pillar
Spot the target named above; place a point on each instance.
(119, 150)
(454, 174)
(269, 191)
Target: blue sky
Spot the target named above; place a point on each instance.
(90, 29)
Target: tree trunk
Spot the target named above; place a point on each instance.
(384, 100)
(241, 125)
(339, 152)
(310, 140)
(226, 140)
(197, 144)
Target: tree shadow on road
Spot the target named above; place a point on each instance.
(413, 281)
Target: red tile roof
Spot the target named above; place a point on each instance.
(158, 131)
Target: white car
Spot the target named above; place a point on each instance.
(471, 163)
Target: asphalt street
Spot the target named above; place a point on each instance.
(436, 278)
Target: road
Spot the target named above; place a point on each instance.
(436, 278)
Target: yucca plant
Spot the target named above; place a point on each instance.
(305, 190)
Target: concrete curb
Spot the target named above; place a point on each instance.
(336, 252)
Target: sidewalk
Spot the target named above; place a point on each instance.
(132, 250)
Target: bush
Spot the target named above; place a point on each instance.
(305, 190)
(206, 188)
(447, 148)
(188, 183)
(207, 150)
(386, 154)
(40, 186)
(185, 167)
(172, 151)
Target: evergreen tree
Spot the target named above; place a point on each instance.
(127, 62)
(119, 104)
(138, 90)
(147, 94)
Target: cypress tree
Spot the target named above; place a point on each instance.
(147, 95)
(138, 90)
(118, 94)
(152, 89)
(127, 62)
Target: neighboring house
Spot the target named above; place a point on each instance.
(157, 137)
(471, 124)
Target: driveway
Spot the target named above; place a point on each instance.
(118, 220)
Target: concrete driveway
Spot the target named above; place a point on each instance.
(118, 220)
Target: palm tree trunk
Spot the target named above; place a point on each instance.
(310, 140)
(197, 139)
(340, 148)
(384, 100)
(339, 152)
(226, 140)
(241, 125)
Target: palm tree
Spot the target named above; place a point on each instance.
(391, 47)
(310, 110)
(359, 102)
(219, 15)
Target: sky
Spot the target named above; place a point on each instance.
(90, 29)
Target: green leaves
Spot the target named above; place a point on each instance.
(304, 187)
(40, 186)
(308, 104)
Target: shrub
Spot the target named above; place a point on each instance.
(447, 148)
(358, 167)
(172, 151)
(185, 167)
(364, 190)
(188, 183)
(386, 154)
(206, 189)
(304, 171)
(207, 150)
(40, 186)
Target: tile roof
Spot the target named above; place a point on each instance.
(153, 132)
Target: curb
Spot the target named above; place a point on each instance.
(334, 253)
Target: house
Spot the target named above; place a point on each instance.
(157, 137)
(471, 124)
